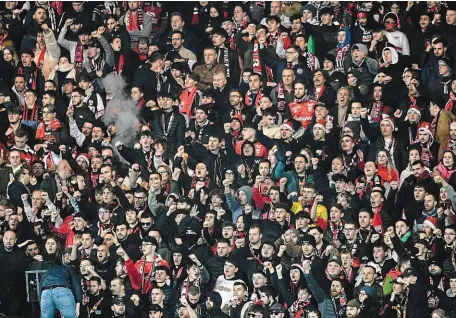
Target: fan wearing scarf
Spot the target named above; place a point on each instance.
(31, 73)
(441, 84)
(138, 23)
(99, 64)
(78, 50)
(47, 51)
(226, 56)
(449, 106)
(426, 143)
(450, 143)
(342, 48)
(361, 32)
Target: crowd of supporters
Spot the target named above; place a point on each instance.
(228, 159)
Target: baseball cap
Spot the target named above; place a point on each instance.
(117, 301)
(277, 308)
(150, 239)
(336, 259)
(155, 308)
(410, 272)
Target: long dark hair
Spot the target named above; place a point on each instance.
(56, 257)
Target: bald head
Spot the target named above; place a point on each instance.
(9, 240)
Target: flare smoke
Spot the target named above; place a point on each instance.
(120, 110)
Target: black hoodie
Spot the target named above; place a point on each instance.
(216, 311)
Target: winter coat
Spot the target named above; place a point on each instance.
(325, 304)
(176, 133)
(12, 272)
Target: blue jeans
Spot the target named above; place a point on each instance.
(59, 298)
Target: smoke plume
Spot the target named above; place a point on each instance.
(120, 110)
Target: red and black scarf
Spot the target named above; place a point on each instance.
(120, 65)
(249, 99)
(32, 78)
(78, 57)
(257, 64)
(30, 114)
(450, 104)
(133, 20)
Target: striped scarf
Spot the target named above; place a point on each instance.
(134, 20)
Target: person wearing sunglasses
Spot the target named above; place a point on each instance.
(257, 311)
(277, 311)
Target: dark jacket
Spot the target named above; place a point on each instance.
(63, 275)
(302, 72)
(15, 190)
(325, 304)
(448, 303)
(417, 305)
(176, 133)
(12, 272)
(215, 312)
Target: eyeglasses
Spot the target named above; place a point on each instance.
(146, 223)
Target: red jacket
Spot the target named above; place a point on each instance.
(136, 270)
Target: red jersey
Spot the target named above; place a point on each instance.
(303, 112)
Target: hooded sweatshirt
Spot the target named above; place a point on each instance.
(395, 37)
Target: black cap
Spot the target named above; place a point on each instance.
(155, 308)
(410, 272)
(204, 108)
(95, 144)
(165, 95)
(150, 239)
(336, 259)
(320, 104)
(308, 239)
(95, 43)
(117, 301)
(331, 58)
(277, 308)
(179, 66)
